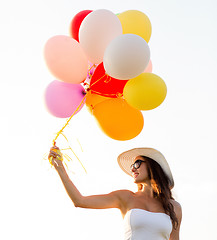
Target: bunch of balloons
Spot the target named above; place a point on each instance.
(105, 64)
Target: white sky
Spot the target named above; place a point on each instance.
(33, 203)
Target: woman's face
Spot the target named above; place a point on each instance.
(140, 174)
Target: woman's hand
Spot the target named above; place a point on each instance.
(55, 157)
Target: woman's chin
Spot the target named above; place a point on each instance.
(136, 180)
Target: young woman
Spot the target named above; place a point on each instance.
(151, 213)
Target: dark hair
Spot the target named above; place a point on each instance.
(161, 188)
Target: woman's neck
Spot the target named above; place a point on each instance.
(146, 190)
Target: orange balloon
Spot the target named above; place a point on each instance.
(93, 99)
(118, 119)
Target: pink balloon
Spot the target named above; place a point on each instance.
(66, 59)
(149, 67)
(62, 99)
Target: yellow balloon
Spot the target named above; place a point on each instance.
(136, 22)
(145, 92)
(93, 99)
(118, 119)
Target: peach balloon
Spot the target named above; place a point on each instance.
(149, 67)
(118, 119)
(66, 59)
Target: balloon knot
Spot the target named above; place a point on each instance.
(119, 95)
(108, 79)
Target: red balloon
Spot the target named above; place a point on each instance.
(76, 23)
(102, 84)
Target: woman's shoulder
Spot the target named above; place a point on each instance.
(124, 193)
(124, 197)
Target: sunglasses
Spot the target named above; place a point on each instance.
(136, 164)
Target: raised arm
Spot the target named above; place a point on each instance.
(111, 200)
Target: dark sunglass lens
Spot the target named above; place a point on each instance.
(137, 164)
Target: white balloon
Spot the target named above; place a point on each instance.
(126, 56)
(97, 30)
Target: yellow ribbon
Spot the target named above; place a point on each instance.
(60, 132)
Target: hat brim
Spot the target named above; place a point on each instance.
(126, 159)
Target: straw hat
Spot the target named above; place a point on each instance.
(126, 159)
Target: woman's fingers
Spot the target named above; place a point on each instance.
(55, 157)
(55, 153)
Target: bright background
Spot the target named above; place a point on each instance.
(33, 202)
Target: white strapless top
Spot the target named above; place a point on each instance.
(140, 224)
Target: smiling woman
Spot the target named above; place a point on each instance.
(159, 182)
(151, 212)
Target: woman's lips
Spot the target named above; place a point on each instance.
(135, 175)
